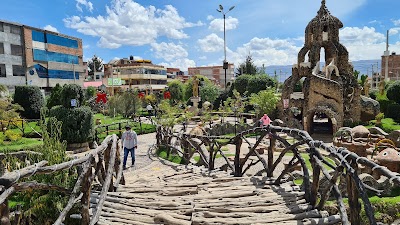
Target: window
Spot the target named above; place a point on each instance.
(57, 40)
(18, 70)
(1, 27)
(16, 50)
(1, 48)
(2, 70)
(42, 55)
(15, 29)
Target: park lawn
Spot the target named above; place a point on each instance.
(22, 144)
(108, 119)
(388, 125)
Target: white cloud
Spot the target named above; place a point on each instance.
(182, 64)
(50, 28)
(202, 57)
(266, 51)
(129, 23)
(360, 36)
(169, 51)
(211, 43)
(218, 24)
(210, 17)
(394, 31)
(87, 4)
(396, 22)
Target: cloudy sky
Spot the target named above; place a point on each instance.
(187, 33)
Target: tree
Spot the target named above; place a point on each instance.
(209, 92)
(264, 102)
(189, 85)
(69, 92)
(94, 65)
(176, 88)
(247, 67)
(126, 103)
(9, 111)
(55, 97)
(393, 92)
(253, 83)
(31, 99)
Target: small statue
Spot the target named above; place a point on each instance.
(366, 88)
(195, 87)
(382, 86)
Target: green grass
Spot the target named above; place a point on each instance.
(109, 119)
(388, 125)
(197, 157)
(162, 153)
(22, 144)
(306, 158)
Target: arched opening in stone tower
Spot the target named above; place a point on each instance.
(322, 58)
(320, 123)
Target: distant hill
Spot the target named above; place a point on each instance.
(364, 66)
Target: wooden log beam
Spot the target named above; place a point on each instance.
(73, 198)
(107, 181)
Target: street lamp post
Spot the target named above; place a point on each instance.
(225, 63)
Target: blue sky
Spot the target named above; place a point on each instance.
(187, 33)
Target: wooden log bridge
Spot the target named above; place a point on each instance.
(194, 195)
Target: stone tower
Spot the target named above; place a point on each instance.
(334, 91)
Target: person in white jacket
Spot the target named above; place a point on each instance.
(129, 141)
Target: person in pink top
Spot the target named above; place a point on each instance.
(265, 120)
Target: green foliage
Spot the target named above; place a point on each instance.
(387, 124)
(77, 123)
(168, 115)
(209, 92)
(393, 111)
(44, 206)
(189, 85)
(253, 83)
(90, 92)
(31, 100)
(363, 79)
(126, 103)
(393, 92)
(72, 91)
(150, 99)
(95, 64)
(176, 88)
(162, 153)
(356, 73)
(9, 111)
(248, 67)
(55, 97)
(380, 116)
(264, 102)
(12, 135)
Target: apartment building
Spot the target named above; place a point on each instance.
(33, 56)
(393, 66)
(215, 73)
(129, 73)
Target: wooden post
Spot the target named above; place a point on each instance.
(271, 149)
(85, 201)
(238, 168)
(119, 129)
(315, 183)
(107, 130)
(4, 211)
(353, 195)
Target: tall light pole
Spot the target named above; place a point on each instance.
(225, 64)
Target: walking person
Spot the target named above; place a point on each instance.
(129, 141)
(265, 120)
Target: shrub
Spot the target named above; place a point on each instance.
(31, 99)
(77, 123)
(176, 88)
(253, 83)
(90, 92)
(71, 91)
(55, 97)
(393, 92)
(12, 135)
(393, 111)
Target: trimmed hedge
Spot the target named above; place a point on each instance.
(393, 111)
(72, 91)
(393, 92)
(31, 99)
(77, 123)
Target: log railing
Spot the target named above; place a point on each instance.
(327, 162)
(102, 163)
